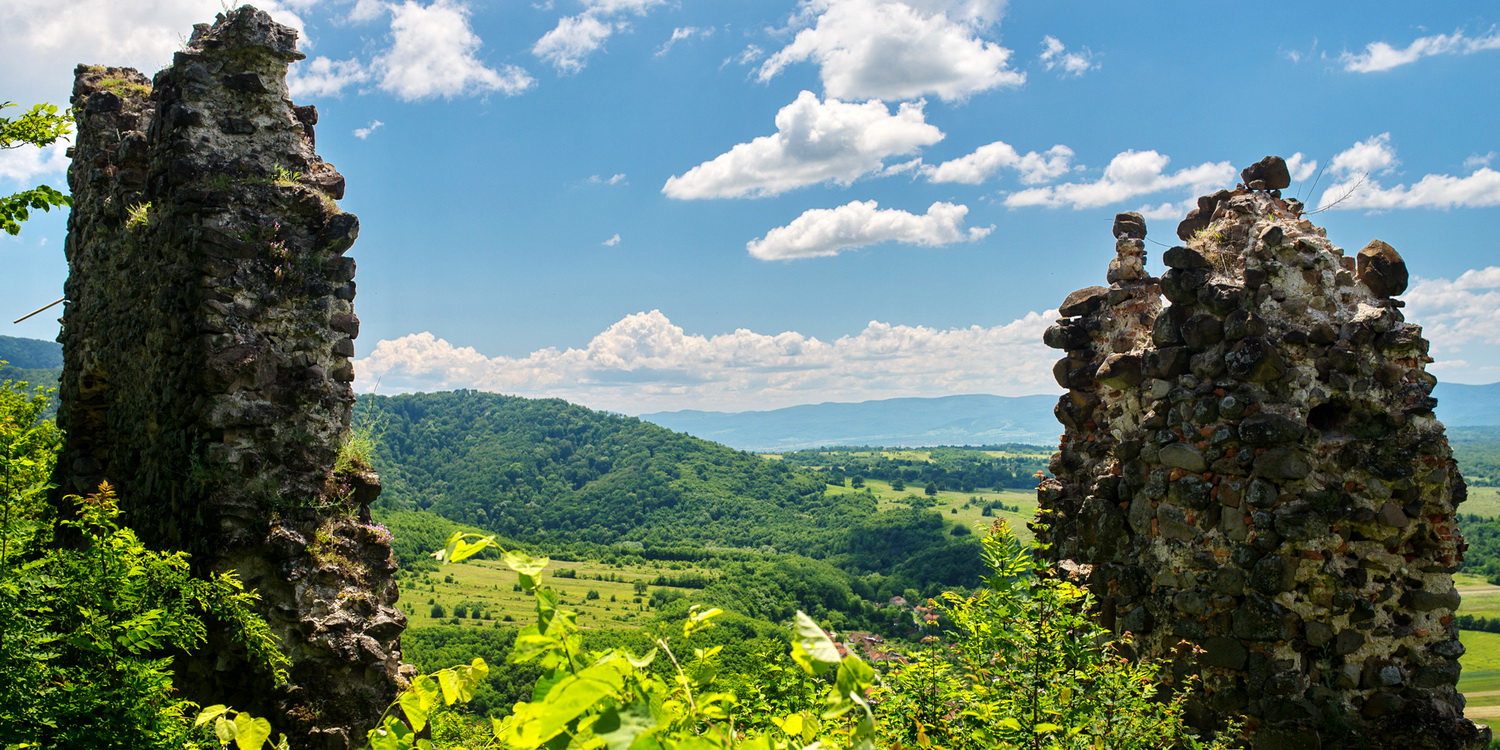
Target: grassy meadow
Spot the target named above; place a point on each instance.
(1483, 501)
(958, 508)
(493, 588)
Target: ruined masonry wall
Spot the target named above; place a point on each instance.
(206, 343)
(1253, 484)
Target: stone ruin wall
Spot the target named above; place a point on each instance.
(206, 340)
(1252, 482)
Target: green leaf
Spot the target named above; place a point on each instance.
(854, 677)
(1046, 726)
(525, 564)
(619, 729)
(412, 705)
(644, 661)
(225, 730)
(448, 679)
(813, 649)
(250, 732)
(209, 714)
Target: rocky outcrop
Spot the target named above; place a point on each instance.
(1253, 484)
(206, 340)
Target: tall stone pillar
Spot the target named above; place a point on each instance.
(206, 343)
(1252, 481)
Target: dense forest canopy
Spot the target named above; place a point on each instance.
(546, 469)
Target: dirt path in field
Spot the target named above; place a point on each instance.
(1477, 713)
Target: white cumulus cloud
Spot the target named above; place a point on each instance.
(612, 241)
(321, 76)
(645, 363)
(43, 39)
(434, 53)
(1380, 56)
(24, 165)
(1358, 185)
(898, 49)
(988, 160)
(1300, 167)
(815, 141)
(568, 45)
(1461, 317)
(1129, 174)
(1055, 56)
(829, 231)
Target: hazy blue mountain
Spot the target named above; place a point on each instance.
(1462, 405)
(949, 420)
(957, 420)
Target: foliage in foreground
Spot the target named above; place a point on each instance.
(83, 627)
(1027, 669)
(39, 126)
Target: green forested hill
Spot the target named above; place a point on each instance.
(32, 360)
(547, 470)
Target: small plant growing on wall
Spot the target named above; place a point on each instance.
(138, 216)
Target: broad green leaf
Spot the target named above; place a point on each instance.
(525, 564)
(416, 713)
(224, 729)
(854, 676)
(449, 680)
(1046, 726)
(250, 733)
(466, 549)
(816, 642)
(209, 714)
(620, 728)
(446, 554)
(644, 661)
(391, 735)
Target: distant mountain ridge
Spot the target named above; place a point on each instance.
(947, 420)
(957, 420)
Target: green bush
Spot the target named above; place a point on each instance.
(83, 627)
(1028, 668)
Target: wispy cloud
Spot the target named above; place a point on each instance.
(1380, 56)
(681, 33)
(829, 231)
(363, 133)
(815, 141)
(568, 46)
(899, 49)
(646, 363)
(1055, 56)
(612, 241)
(614, 179)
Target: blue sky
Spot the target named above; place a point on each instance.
(645, 205)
